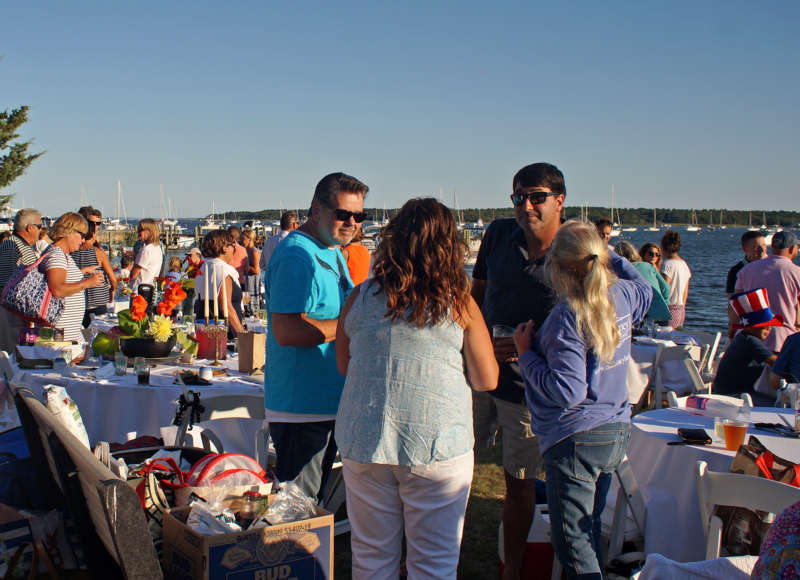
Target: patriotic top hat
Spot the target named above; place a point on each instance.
(753, 309)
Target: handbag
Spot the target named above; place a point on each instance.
(744, 529)
(28, 296)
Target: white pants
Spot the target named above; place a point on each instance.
(427, 501)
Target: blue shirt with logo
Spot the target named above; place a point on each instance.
(568, 389)
(304, 276)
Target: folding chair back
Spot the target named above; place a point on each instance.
(738, 490)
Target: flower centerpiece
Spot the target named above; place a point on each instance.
(153, 336)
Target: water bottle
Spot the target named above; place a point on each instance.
(701, 405)
(745, 414)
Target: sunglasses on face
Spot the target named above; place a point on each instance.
(344, 215)
(653, 254)
(536, 197)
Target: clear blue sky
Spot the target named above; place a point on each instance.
(248, 104)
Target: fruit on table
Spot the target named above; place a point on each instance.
(105, 345)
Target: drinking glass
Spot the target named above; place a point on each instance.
(120, 364)
(719, 429)
(141, 370)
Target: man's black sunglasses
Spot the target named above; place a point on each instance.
(345, 215)
(519, 197)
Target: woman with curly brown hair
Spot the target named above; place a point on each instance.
(411, 342)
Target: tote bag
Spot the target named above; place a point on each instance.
(28, 296)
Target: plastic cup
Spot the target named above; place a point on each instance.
(735, 432)
(502, 331)
(719, 429)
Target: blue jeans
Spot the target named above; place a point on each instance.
(579, 471)
(304, 454)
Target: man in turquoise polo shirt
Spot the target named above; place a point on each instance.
(307, 284)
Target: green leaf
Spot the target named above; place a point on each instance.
(130, 326)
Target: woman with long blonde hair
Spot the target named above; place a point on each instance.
(574, 368)
(150, 258)
(412, 343)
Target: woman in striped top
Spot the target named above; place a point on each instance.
(90, 257)
(64, 278)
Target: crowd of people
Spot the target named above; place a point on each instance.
(405, 366)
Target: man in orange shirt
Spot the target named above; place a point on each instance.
(240, 261)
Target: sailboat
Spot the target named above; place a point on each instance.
(655, 227)
(750, 227)
(722, 226)
(693, 227)
(121, 221)
(629, 228)
(211, 223)
(615, 227)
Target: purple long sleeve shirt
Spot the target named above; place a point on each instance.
(567, 388)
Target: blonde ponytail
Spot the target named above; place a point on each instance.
(580, 272)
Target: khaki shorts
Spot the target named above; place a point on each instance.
(521, 458)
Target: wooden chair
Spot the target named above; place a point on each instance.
(106, 511)
(738, 490)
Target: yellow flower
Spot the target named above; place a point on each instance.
(160, 328)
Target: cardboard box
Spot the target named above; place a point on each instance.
(252, 347)
(297, 550)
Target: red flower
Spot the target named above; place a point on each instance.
(138, 308)
(173, 296)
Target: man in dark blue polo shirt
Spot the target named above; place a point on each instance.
(511, 286)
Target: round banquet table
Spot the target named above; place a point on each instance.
(118, 409)
(666, 474)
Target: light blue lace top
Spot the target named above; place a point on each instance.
(406, 400)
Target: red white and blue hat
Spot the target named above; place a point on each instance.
(753, 309)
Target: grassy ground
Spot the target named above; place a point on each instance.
(479, 559)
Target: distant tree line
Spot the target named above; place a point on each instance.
(628, 216)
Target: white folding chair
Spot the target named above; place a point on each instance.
(8, 411)
(673, 374)
(7, 366)
(629, 515)
(680, 402)
(738, 490)
(227, 422)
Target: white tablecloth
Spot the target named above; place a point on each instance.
(666, 474)
(119, 409)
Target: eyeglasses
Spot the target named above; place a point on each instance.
(536, 197)
(344, 215)
(653, 254)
